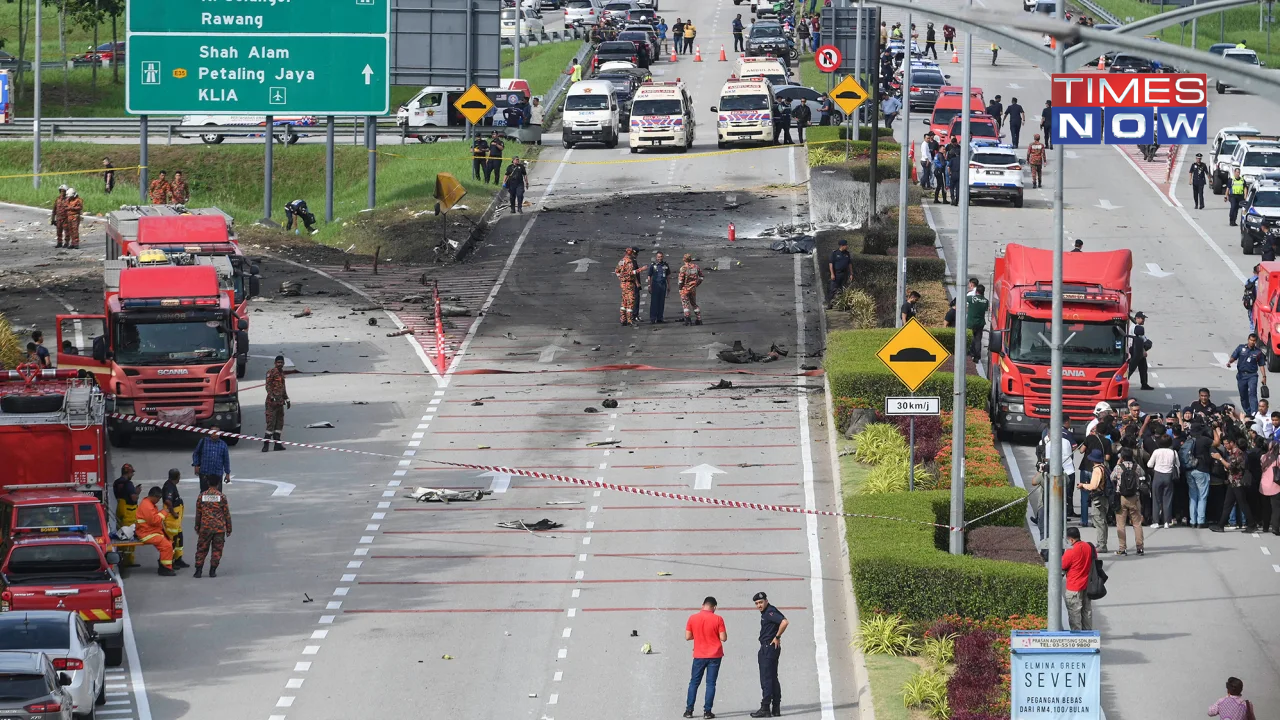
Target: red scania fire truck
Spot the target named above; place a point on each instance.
(190, 236)
(1096, 298)
(162, 349)
(51, 425)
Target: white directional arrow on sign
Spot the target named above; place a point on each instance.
(368, 74)
(1153, 269)
(724, 263)
(582, 263)
(702, 475)
(501, 481)
(1105, 204)
(282, 489)
(714, 349)
(547, 353)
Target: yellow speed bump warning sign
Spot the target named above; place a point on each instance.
(913, 353)
(473, 104)
(848, 95)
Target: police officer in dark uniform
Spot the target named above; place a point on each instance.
(782, 122)
(1253, 360)
(1199, 176)
(841, 264)
(479, 156)
(772, 625)
(1138, 349)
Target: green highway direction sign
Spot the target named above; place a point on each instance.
(258, 57)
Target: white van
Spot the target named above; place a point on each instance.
(661, 114)
(745, 112)
(591, 114)
(767, 67)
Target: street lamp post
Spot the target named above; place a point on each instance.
(1057, 518)
(958, 404)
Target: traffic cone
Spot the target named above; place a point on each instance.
(697, 54)
(955, 55)
(674, 57)
(1102, 63)
(722, 55)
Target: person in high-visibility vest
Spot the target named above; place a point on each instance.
(1235, 194)
(151, 517)
(126, 507)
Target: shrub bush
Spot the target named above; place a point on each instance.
(844, 407)
(881, 238)
(878, 443)
(974, 691)
(864, 133)
(886, 170)
(860, 305)
(12, 350)
(983, 466)
(855, 371)
(904, 568)
(884, 634)
(884, 268)
(928, 434)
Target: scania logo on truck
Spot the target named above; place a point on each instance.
(1065, 373)
(184, 371)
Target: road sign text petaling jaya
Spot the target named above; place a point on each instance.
(1112, 109)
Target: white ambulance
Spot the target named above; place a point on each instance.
(745, 112)
(661, 114)
(767, 67)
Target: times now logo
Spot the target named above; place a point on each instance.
(1139, 109)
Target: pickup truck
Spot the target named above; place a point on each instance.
(64, 568)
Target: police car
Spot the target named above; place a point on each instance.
(1261, 216)
(995, 172)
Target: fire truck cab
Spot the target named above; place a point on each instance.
(162, 349)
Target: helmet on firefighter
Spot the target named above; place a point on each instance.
(1101, 409)
(71, 192)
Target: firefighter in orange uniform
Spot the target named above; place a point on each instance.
(179, 190)
(627, 273)
(689, 278)
(151, 517)
(58, 218)
(71, 213)
(213, 525)
(160, 190)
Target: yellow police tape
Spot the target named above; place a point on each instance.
(629, 161)
(72, 172)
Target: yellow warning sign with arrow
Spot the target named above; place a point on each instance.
(848, 95)
(474, 104)
(913, 353)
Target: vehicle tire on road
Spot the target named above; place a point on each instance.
(25, 404)
(102, 690)
(231, 441)
(635, 150)
(1273, 359)
(117, 437)
(568, 145)
(211, 139)
(114, 656)
(1017, 202)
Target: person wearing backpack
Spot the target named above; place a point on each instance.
(1250, 295)
(1099, 491)
(1077, 561)
(1128, 479)
(1233, 460)
(1139, 345)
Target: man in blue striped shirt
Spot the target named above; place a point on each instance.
(212, 461)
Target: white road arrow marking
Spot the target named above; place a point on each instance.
(714, 349)
(702, 475)
(368, 74)
(282, 489)
(1222, 358)
(1105, 204)
(1153, 269)
(583, 264)
(501, 481)
(724, 263)
(1071, 155)
(547, 353)
(1015, 86)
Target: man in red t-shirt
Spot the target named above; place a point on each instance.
(706, 629)
(1076, 562)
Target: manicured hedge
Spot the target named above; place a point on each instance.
(855, 371)
(886, 170)
(881, 238)
(905, 568)
(919, 269)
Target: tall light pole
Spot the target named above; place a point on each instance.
(904, 172)
(958, 404)
(515, 68)
(35, 107)
(1057, 518)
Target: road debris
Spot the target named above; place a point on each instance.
(290, 288)
(373, 321)
(646, 649)
(539, 526)
(321, 424)
(306, 312)
(442, 495)
(398, 333)
(610, 403)
(602, 443)
(591, 410)
(722, 385)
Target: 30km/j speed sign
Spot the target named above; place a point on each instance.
(828, 58)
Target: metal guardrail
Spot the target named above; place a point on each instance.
(170, 127)
(1098, 11)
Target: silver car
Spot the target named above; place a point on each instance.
(30, 689)
(70, 646)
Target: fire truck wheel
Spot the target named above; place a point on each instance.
(118, 437)
(231, 441)
(31, 403)
(114, 656)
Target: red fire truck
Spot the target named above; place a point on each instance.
(1096, 304)
(189, 236)
(162, 349)
(51, 426)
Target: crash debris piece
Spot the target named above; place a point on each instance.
(609, 403)
(540, 525)
(321, 424)
(426, 494)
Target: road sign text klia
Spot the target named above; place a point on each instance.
(1138, 109)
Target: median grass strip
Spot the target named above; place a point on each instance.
(231, 176)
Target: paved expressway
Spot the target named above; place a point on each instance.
(339, 596)
(1197, 607)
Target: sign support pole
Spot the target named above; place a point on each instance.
(328, 170)
(371, 144)
(958, 404)
(35, 99)
(1057, 517)
(143, 172)
(268, 167)
(911, 459)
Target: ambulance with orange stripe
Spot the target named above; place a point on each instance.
(745, 112)
(661, 115)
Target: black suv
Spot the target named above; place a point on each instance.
(1261, 222)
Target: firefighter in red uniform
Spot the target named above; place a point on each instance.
(59, 217)
(628, 277)
(151, 517)
(160, 191)
(71, 212)
(689, 278)
(213, 525)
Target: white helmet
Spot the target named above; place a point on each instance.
(1101, 409)
(62, 187)
(71, 192)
